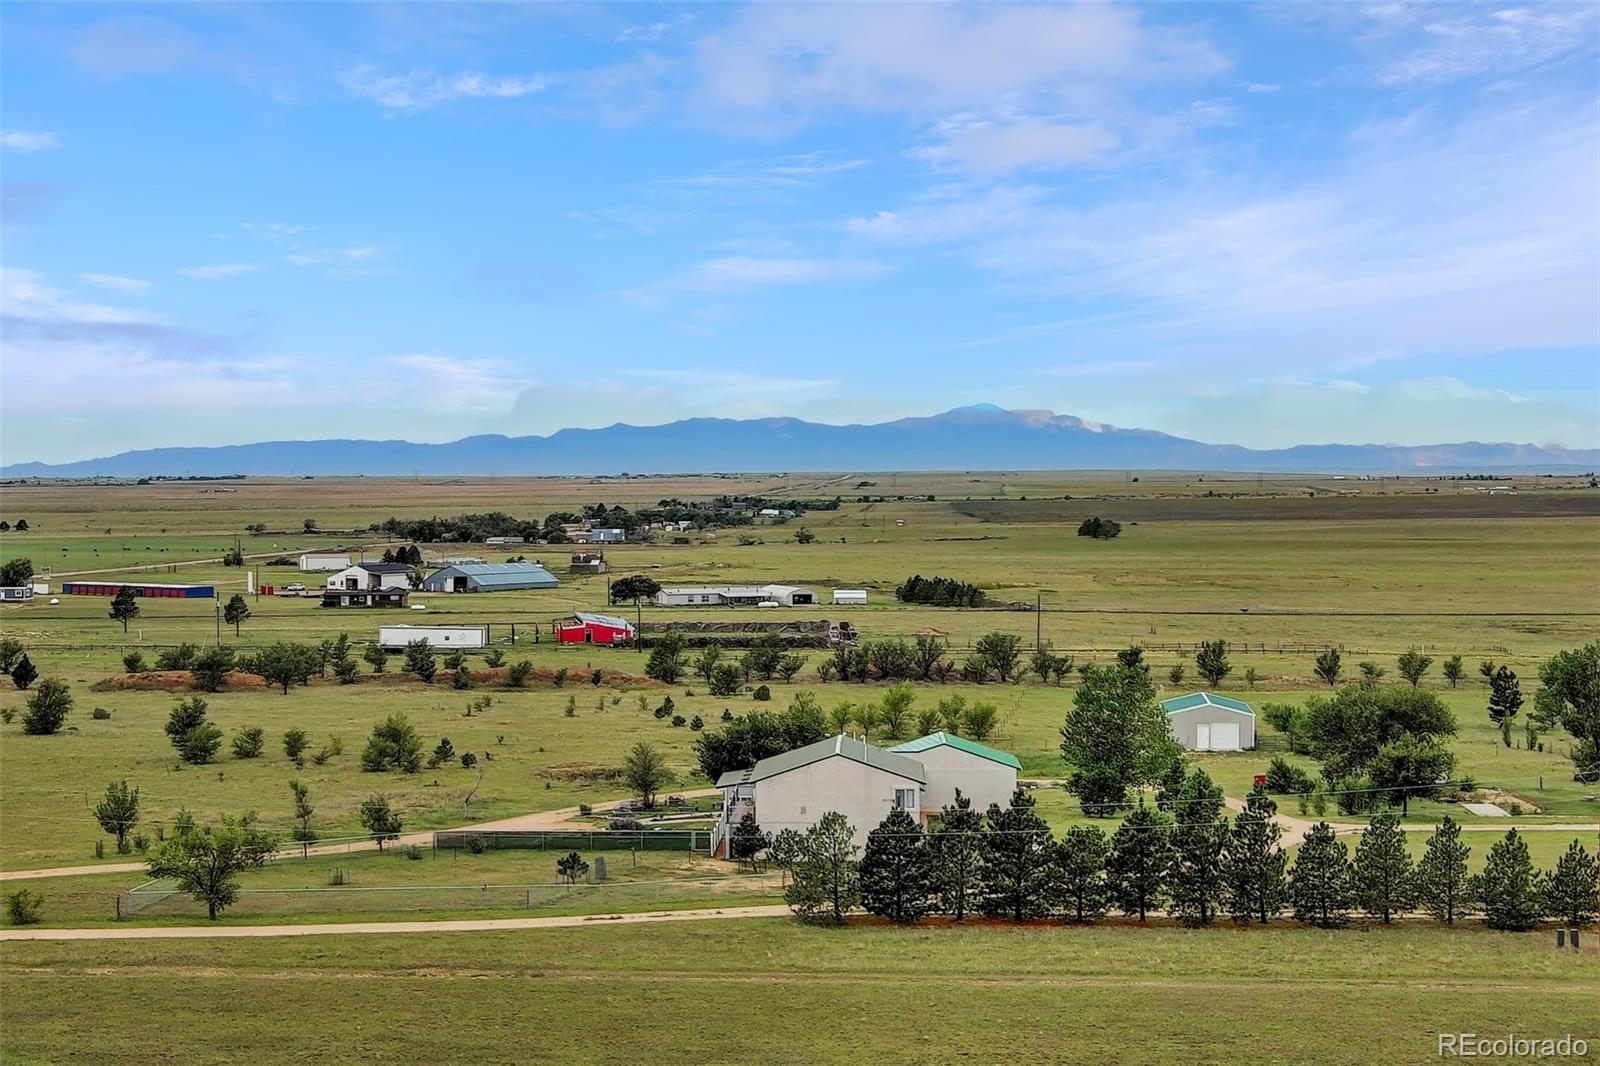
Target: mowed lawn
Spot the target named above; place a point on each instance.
(770, 990)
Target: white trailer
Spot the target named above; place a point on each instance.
(452, 637)
(849, 596)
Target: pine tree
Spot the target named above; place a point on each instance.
(1014, 868)
(1509, 887)
(124, 607)
(1572, 889)
(1505, 695)
(1252, 862)
(1195, 879)
(825, 881)
(957, 849)
(747, 842)
(1081, 873)
(1320, 884)
(897, 879)
(1137, 865)
(1385, 882)
(1442, 882)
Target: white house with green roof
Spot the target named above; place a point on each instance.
(983, 774)
(1205, 721)
(862, 782)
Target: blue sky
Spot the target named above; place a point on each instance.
(1246, 223)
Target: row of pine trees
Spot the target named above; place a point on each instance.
(1187, 860)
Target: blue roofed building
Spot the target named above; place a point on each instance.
(489, 577)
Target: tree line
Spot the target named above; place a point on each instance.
(1192, 864)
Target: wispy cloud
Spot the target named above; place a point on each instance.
(115, 282)
(417, 90)
(743, 273)
(29, 140)
(214, 271)
(1430, 44)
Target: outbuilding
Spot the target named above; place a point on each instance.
(489, 577)
(314, 561)
(735, 596)
(365, 597)
(983, 774)
(850, 597)
(371, 576)
(16, 593)
(586, 628)
(1205, 721)
(469, 637)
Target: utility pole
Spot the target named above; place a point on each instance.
(1038, 621)
(219, 618)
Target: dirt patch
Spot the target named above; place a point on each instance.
(172, 681)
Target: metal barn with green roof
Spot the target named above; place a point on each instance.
(1205, 721)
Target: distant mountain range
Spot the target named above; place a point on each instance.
(981, 437)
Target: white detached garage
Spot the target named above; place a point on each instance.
(1205, 721)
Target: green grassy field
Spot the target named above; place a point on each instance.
(775, 991)
(1502, 583)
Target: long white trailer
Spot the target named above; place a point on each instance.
(468, 637)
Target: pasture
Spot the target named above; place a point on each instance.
(644, 992)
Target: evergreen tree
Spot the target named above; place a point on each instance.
(1081, 873)
(124, 607)
(1211, 661)
(23, 672)
(1442, 883)
(1195, 880)
(825, 880)
(897, 880)
(1014, 871)
(118, 812)
(1572, 889)
(1137, 865)
(1320, 884)
(1505, 695)
(957, 847)
(1385, 882)
(236, 612)
(1508, 888)
(1329, 666)
(747, 842)
(1252, 862)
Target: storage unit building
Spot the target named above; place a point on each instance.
(1205, 721)
(452, 637)
(586, 628)
(140, 588)
(489, 577)
(312, 561)
(735, 596)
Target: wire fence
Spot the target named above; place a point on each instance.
(161, 899)
(688, 840)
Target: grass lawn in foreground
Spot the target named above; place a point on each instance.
(770, 990)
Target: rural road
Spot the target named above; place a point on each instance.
(470, 925)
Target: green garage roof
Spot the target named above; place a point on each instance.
(1205, 699)
(942, 739)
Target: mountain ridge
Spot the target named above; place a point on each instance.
(979, 436)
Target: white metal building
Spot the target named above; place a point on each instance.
(1205, 721)
(452, 637)
(371, 576)
(851, 597)
(735, 596)
(314, 561)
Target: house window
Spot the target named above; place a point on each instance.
(905, 799)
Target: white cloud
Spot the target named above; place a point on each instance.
(417, 90)
(29, 140)
(992, 148)
(217, 270)
(272, 232)
(1432, 44)
(355, 253)
(115, 282)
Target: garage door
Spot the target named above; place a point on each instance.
(1224, 736)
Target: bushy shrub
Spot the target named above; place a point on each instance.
(133, 662)
(762, 693)
(100, 714)
(23, 907)
(1285, 779)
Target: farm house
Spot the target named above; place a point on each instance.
(468, 637)
(140, 588)
(863, 783)
(489, 577)
(1205, 721)
(372, 576)
(735, 596)
(586, 628)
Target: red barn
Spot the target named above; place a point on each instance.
(584, 628)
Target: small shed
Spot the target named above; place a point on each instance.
(1205, 721)
(312, 561)
(850, 596)
(16, 594)
(586, 628)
